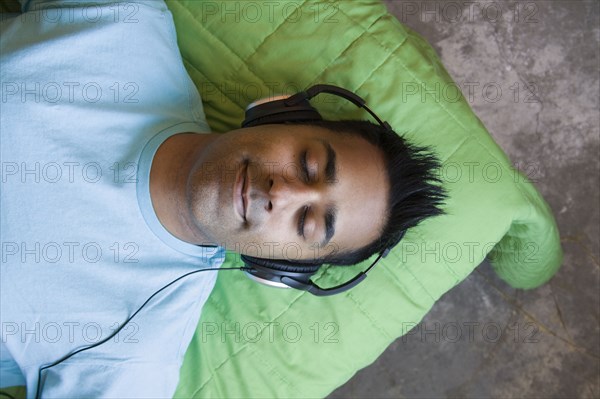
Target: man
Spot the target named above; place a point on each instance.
(275, 189)
(298, 184)
(109, 193)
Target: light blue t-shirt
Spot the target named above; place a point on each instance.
(88, 93)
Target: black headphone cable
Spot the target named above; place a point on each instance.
(39, 385)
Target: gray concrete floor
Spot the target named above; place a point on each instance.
(549, 340)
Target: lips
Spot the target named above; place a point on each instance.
(239, 191)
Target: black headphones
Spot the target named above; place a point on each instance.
(283, 273)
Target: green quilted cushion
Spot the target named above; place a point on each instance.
(256, 341)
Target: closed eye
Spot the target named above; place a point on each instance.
(301, 222)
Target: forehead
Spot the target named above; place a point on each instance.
(361, 192)
(361, 189)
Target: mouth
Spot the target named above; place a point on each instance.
(239, 191)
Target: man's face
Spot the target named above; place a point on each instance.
(289, 192)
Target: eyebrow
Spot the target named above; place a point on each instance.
(330, 216)
(330, 165)
(330, 178)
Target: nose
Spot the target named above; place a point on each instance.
(292, 193)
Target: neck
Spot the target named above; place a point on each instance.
(171, 167)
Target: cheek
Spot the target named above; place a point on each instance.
(278, 242)
(271, 233)
(204, 197)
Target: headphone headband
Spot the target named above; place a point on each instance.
(338, 91)
(297, 108)
(317, 89)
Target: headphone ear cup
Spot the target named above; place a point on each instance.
(281, 265)
(276, 111)
(280, 273)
